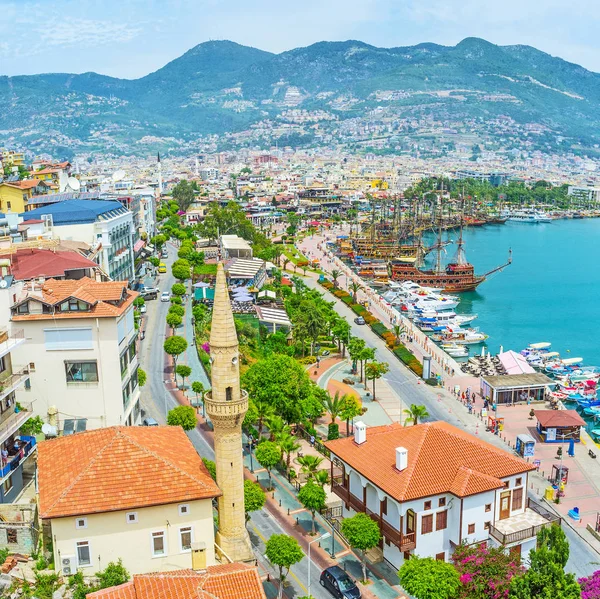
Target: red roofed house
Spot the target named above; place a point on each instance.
(225, 581)
(432, 487)
(139, 494)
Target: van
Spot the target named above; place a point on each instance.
(162, 267)
(148, 421)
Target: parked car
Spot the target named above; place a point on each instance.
(164, 253)
(339, 584)
(150, 295)
(162, 267)
(165, 296)
(148, 421)
(143, 309)
(325, 353)
(359, 320)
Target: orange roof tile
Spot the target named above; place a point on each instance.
(225, 581)
(119, 468)
(441, 459)
(97, 294)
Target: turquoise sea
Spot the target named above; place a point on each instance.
(551, 292)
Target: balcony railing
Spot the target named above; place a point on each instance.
(12, 462)
(8, 341)
(13, 420)
(528, 531)
(404, 542)
(12, 381)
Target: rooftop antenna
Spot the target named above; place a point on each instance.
(73, 183)
(118, 175)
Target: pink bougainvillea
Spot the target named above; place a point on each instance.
(206, 347)
(590, 587)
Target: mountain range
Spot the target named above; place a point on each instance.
(221, 87)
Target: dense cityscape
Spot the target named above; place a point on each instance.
(336, 320)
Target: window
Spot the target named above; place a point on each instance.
(506, 483)
(427, 505)
(228, 394)
(11, 535)
(7, 486)
(184, 509)
(81, 523)
(60, 339)
(488, 507)
(2, 364)
(158, 544)
(487, 525)
(471, 529)
(131, 517)
(518, 482)
(517, 499)
(440, 557)
(427, 524)
(81, 372)
(442, 502)
(441, 520)
(23, 308)
(185, 538)
(84, 557)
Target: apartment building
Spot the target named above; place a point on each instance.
(81, 351)
(138, 494)
(107, 226)
(431, 487)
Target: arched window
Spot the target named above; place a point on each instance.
(228, 394)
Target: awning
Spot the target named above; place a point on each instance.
(139, 245)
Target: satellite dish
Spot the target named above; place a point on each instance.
(3, 284)
(49, 430)
(74, 183)
(118, 175)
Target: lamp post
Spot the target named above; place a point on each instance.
(325, 535)
(251, 444)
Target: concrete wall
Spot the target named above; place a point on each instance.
(112, 537)
(100, 402)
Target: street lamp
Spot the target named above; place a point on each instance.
(324, 536)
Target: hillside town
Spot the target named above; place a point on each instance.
(216, 380)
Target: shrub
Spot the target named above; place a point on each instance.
(333, 431)
(432, 381)
(307, 360)
(113, 575)
(370, 319)
(378, 328)
(347, 299)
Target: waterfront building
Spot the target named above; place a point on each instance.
(137, 494)
(226, 404)
(431, 487)
(81, 351)
(558, 426)
(105, 225)
(509, 389)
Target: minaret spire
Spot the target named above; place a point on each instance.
(226, 404)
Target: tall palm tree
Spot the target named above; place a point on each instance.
(399, 330)
(310, 464)
(355, 289)
(335, 275)
(321, 477)
(276, 425)
(286, 261)
(334, 405)
(415, 413)
(288, 445)
(315, 324)
(264, 411)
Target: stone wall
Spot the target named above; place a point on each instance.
(19, 527)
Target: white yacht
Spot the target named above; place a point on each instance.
(529, 216)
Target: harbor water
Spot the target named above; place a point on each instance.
(551, 292)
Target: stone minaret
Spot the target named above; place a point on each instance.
(226, 404)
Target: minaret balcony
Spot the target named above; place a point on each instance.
(224, 409)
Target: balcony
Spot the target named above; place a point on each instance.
(12, 420)
(28, 445)
(11, 382)
(526, 525)
(405, 542)
(9, 341)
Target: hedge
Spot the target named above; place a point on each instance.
(405, 356)
(379, 328)
(347, 299)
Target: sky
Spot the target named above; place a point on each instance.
(131, 38)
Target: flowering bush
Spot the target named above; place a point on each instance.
(485, 573)
(206, 347)
(590, 587)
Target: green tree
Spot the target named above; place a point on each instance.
(366, 354)
(139, 301)
(288, 444)
(264, 411)
(333, 406)
(177, 309)
(355, 288)
(211, 467)
(427, 578)
(276, 425)
(310, 465)
(363, 534)
(178, 289)
(335, 275)
(312, 497)
(158, 241)
(351, 408)
(341, 333)
(175, 346)
(415, 414)
(283, 552)
(374, 371)
(181, 269)
(254, 498)
(174, 321)
(198, 389)
(183, 416)
(113, 575)
(142, 377)
(268, 455)
(183, 370)
(312, 406)
(183, 194)
(546, 577)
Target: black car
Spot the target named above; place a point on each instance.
(339, 584)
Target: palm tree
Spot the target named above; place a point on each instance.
(286, 261)
(264, 411)
(310, 464)
(399, 330)
(335, 275)
(355, 289)
(314, 324)
(334, 405)
(276, 426)
(321, 477)
(288, 445)
(415, 413)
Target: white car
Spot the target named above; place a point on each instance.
(165, 296)
(143, 309)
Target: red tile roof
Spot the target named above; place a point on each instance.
(559, 418)
(225, 581)
(441, 459)
(119, 468)
(33, 263)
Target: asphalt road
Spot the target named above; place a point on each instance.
(157, 401)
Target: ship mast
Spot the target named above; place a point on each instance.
(438, 260)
